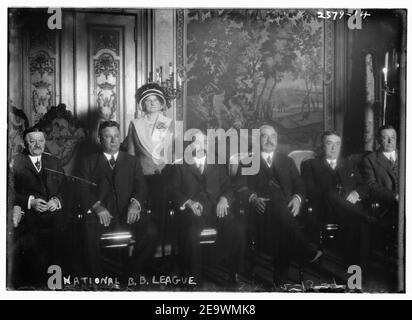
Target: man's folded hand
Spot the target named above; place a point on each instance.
(39, 205)
(104, 216)
(195, 206)
(133, 212)
(17, 215)
(222, 207)
(52, 204)
(258, 203)
(353, 197)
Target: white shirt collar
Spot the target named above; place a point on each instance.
(109, 156)
(265, 155)
(390, 155)
(200, 161)
(34, 158)
(332, 161)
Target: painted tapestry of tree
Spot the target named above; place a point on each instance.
(248, 67)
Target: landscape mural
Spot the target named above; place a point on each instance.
(254, 66)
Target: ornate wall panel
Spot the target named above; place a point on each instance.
(42, 72)
(106, 69)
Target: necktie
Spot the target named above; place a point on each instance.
(269, 161)
(112, 162)
(392, 160)
(38, 164)
(333, 164)
(201, 167)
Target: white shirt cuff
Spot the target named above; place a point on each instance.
(28, 202)
(183, 206)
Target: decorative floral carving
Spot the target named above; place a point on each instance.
(106, 70)
(106, 65)
(41, 64)
(42, 79)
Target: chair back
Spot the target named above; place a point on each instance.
(299, 156)
(234, 162)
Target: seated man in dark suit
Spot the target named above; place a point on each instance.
(116, 202)
(203, 194)
(278, 192)
(37, 205)
(336, 191)
(381, 170)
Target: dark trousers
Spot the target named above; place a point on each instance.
(35, 247)
(354, 231)
(144, 233)
(157, 203)
(288, 239)
(230, 243)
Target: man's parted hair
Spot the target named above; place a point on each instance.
(108, 124)
(328, 133)
(385, 127)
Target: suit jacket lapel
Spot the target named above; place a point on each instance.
(29, 165)
(193, 169)
(324, 163)
(266, 169)
(103, 165)
(386, 164)
(118, 168)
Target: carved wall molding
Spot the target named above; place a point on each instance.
(42, 79)
(106, 70)
(41, 66)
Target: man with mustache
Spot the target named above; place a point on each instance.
(276, 194)
(37, 206)
(381, 169)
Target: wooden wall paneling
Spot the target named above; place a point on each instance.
(106, 67)
(67, 61)
(340, 74)
(15, 67)
(164, 44)
(81, 65)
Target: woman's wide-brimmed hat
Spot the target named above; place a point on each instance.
(150, 89)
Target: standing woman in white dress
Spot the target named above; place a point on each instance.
(150, 138)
